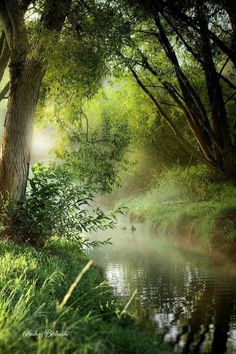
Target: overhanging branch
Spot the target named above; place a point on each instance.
(4, 56)
(184, 143)
(4, 91)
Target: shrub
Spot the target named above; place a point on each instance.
(55, 205)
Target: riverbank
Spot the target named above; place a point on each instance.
(37, 317)
(187, 205)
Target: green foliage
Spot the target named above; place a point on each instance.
(99, 143)
(146, 53)
(32, 285)
(100, 156)
(193, 184)
(56, 206)
(189, 202)
(94, 142)
(79, 62)
(5, 212)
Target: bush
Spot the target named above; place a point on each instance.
(56, 206)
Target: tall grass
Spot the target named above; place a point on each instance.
(193, 198)
(33, 284)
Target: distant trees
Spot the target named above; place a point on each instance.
(118, 132)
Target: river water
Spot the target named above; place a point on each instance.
(189, 299)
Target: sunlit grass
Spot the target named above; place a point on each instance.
(33, 285)
(188, 200)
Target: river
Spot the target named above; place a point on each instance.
(188, 298)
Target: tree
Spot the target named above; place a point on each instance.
(94, 148)
(188, 34)
(26, 74)
(56, 50)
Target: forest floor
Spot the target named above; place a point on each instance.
(34, 320)
(188, 207)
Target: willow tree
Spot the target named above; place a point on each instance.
(196, 42)
(26, 70)
(50, 46)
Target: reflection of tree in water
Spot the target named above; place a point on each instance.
(187, 300)
(213, 308)
(196, 304)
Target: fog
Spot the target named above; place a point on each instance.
(44, 139)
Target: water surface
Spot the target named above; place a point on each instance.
(188, 298)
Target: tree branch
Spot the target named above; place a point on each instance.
(4, 56)
(19, 34)
(223, 66)
(225, 79)
(187, 46)
(230, 98)
(186, 145)
(6, 23)
(4, 91)
(175, 12)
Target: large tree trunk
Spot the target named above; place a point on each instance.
(26, 78)
(26, 74)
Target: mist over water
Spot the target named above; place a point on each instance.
(188, 298)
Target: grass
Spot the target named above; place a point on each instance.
(34, 318)
(189, 202)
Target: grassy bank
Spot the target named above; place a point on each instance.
(33, 284)
(189, 204)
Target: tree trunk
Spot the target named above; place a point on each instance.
(192, 106)
(224, 156)
(26, 78)
(26, 74)
(4, 55)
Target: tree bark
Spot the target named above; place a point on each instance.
(26, 74)
(26, 78)
(224, 156)
(4, 55)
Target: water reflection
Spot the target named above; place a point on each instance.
(189, 299)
